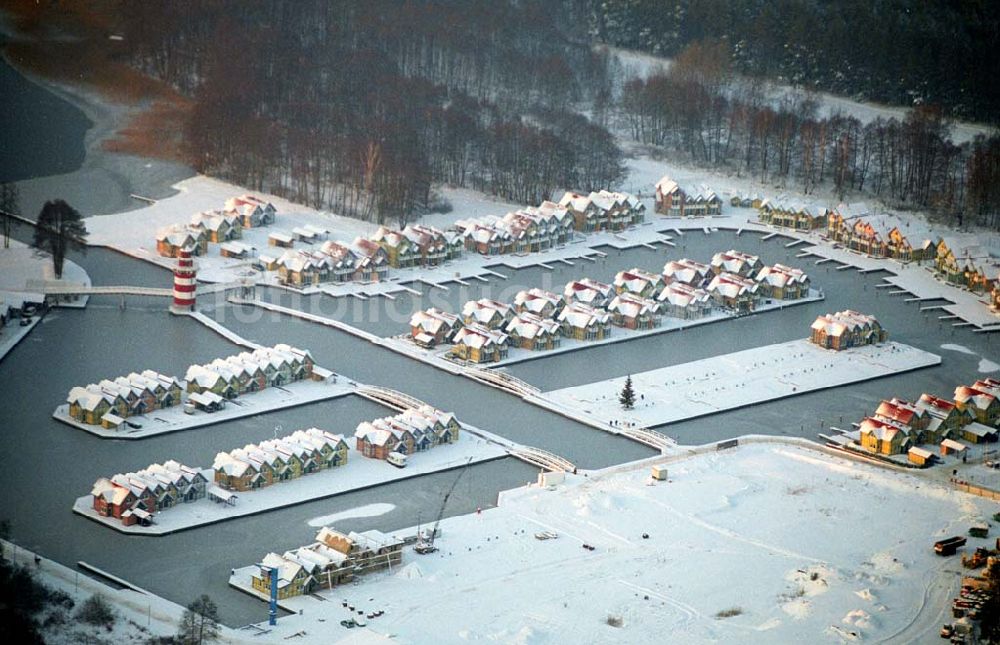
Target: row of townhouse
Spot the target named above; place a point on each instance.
(792, 214)
(685, 201)
(603, 210)
(418, 245)
(967, 265)
(247, 372)
(276, 460)
(134, 497)
(109, 402)
(413, 430)
(219, 226)
(332, 560)
(363, 260)
(846, 329)
(743, 199)
(588, 309)
(898, 426)
(850, 225)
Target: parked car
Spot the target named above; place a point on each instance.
(947, 630)
(397, 459)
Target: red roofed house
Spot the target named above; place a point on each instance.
(847, 329)
(884, 438)
(734, 292)
(983, 405)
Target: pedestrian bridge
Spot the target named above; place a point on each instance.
(52, 288)
(501, 380)
(651, 438)
(390, 397)
(542, 458)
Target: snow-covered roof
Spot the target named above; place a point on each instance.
(433, 319)
(680, 294)
(529, 325)
(730, 285)
(781, 276)
(280, 236)
(587, 291)
(636, 280)
(579, 315)
(484, 310)
(685, 270)
(536, 300)
(478, 336)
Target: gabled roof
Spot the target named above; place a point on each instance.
(680, 294)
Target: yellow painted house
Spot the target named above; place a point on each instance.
(293, 578)
(883, 438)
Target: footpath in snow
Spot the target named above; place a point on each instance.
(174, 419)
(730, 381)
(358, 473)
(764, 543)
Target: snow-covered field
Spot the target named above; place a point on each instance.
(174, 419)
(762, 544)
(359, 472)
(739, 379)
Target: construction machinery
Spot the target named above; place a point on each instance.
(425, 544)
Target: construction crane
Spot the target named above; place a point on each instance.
(426, 545)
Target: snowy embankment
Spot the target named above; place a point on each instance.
(174, 419)
(358, 473)
(759, 544)
(739, 379)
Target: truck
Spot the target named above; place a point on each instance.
(949, 546)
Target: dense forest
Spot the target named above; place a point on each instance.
(903, 52)
(363, 108)
(699, 108)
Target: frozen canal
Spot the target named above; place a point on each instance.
(44, 472)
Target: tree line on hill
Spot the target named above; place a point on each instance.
(362, 107)
(900, 52)
(699, 107)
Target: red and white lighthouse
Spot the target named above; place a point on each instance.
(184, 283)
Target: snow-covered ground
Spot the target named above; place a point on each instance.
(138, 615)
(174, 419)
(739, 379)
(22, 269)
(359, 472)
(762, 544)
